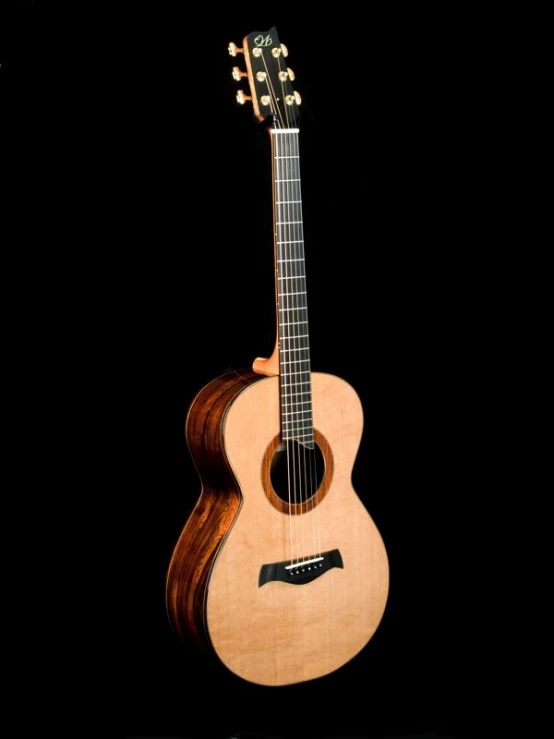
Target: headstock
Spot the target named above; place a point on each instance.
(270, 79)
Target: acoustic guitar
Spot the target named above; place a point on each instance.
(279, 571)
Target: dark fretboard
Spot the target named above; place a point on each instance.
(292, 304)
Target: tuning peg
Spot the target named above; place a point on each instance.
(278, 50)
(234, 49)
(238, 74)
(242, 98)
(287, 75)
(294, 98)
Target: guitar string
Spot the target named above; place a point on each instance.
(307, 469)
(294, 317)
(297, 309)
(287, 320)
(310, 459)
(287, 229)
(309, 451)
(282, 271)
(287, 217)
(298, 305)
(302, 472)
(295, 366)
(299, 312)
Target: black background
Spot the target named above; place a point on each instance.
(153, 185)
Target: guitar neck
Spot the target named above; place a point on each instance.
(291, 293)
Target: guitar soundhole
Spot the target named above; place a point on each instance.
(296, 472)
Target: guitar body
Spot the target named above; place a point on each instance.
(228, 588)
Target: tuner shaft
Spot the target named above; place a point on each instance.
(242, 98)
(238, 74)
(234, 49)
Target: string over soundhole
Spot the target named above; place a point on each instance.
(276, 473)
(296, 472)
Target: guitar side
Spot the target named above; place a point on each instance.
(188, 573)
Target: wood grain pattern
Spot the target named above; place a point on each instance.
(214, 512)
(279, 633)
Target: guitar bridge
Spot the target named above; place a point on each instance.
(300, 573)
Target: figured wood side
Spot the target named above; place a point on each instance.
(211, 518)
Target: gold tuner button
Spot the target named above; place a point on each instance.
(297, 97)
(238, 74)
(288, 75)
(242, 98)
(284, 50)
(265, 100)
(234, 49)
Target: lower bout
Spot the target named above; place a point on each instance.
(282, 633)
